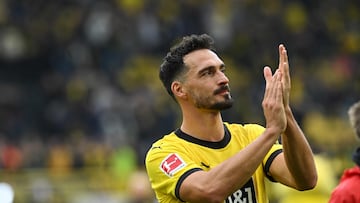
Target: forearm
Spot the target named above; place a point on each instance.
(229, 176)
(242, 166)
(298, 154)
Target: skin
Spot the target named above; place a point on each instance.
(196, 96)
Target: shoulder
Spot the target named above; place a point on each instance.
(345, 192)
(168, 142)
(169, 157)
(252, 130)
(348, 187)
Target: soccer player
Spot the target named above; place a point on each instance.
(349, 186)
(209, 160)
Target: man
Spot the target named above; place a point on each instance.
(208, 160)
(349, 186)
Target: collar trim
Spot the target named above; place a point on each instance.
(214, 145)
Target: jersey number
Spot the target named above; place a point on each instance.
(244, 195)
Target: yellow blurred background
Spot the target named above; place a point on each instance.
(81, 102)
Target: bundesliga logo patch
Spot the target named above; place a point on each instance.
(171, 164)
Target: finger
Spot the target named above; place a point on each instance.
(285, 68)
(267, 73)
(278, 91)
(277, 77)
(271, 82)
(277, 86)
(281, 57)
(268, 79)
(284, 61)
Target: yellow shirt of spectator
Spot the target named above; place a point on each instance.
(174, 157)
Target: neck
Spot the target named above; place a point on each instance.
(204, 125)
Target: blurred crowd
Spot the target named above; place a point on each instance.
(79, 78)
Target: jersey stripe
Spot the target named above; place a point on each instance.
(181, 179)
(268, 164)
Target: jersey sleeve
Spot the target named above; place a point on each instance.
(256, 130)
(167, 165)
(275, 150)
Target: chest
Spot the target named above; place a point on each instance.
(208, 158)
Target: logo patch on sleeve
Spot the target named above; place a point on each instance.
(171, 164)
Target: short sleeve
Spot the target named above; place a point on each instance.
(256, 130)
(167, 166)
(275, 150)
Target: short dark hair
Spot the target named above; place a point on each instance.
(173, 64)
(354, 117)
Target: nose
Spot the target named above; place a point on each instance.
(223, 79)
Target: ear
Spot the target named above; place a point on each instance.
(178, 89)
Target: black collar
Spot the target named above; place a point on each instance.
(214, 145)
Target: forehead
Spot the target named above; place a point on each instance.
(201, 58)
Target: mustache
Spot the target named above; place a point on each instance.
(222, 88)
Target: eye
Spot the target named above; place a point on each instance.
(207, 72)
(222, 68)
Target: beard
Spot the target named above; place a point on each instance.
(209, 102)
(226, 104)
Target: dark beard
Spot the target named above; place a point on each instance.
(223, 105)
(228, 99)
(226, 104)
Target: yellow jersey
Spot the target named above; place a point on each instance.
(177, 155)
